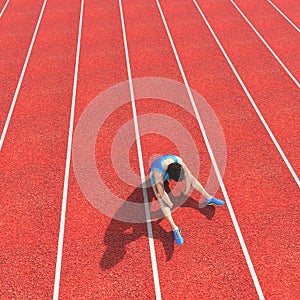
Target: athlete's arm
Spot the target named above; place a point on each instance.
(159, 189)
(188, 176)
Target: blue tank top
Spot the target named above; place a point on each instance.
(157, 165)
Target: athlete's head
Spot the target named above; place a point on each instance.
(176, 172)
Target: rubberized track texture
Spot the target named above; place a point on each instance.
(124, 82)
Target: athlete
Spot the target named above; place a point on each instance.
(168, 167)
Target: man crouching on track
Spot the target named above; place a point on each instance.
(172, 167)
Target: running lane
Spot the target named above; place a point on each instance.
(276, 31)
(210, 264)
(273, 91)
(17, 26)
(262, 190)
(33, 155)
(104, 258)
(290, 8)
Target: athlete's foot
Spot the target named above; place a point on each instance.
(214, 201)
(177, 236)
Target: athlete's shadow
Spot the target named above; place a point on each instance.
(119, 234)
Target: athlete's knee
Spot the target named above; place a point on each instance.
(164, 208)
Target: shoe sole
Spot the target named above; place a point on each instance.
(211, 203)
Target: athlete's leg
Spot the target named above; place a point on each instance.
(196, 185)
(176, 231)
(167, 213)
(165, 206)
(166, 210)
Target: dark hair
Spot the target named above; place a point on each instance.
(176, 171)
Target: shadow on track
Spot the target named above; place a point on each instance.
(119, 234)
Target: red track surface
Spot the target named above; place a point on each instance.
(107, 259)
(15, 40)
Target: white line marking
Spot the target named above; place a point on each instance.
(251, 99)
(67, 169)
(21, 78)
(267, 45)
(140, 156)
(284, 15)
(228, 203)
(3, 9)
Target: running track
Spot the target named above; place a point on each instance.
(221, 57)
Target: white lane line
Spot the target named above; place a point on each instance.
(250, 98)
(284, 15)
(21, 78)
(3, 9)
(141, 164)
(212, 157)
(267, 45)
(67, 169)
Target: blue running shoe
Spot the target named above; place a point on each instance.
(178, 237)
(214, 201)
